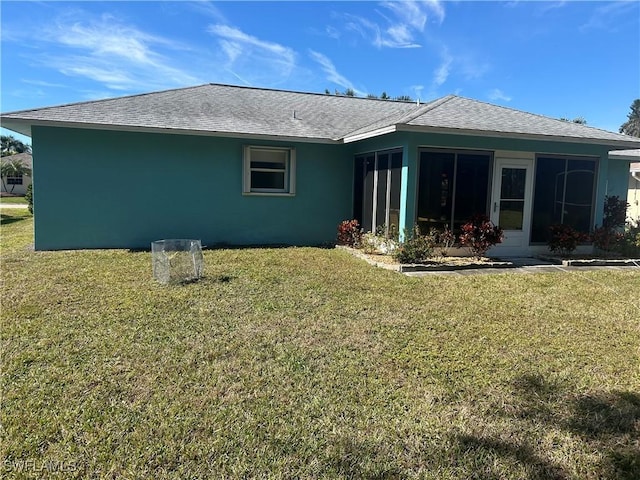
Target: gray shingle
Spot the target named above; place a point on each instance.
(458, 113)
(25, 158)
(225, 109)
(232, 110)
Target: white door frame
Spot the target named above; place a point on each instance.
(515, 242)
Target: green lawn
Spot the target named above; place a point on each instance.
(13, 200)
(309, 363)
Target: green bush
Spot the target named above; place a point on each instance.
(416, 248)
(441, 240)
(29, 197)
(629, 245)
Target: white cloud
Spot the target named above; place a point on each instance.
(416, 13)
(498, 95)
(231, 49)
(208, 8)
(332, 32)
(107, 38)
(250, 58)
(110, 52)
(398, 36)
(41, 83)
(332, 73)
(240, 38)
(607, 16)
(401, 25)
(441, 73)
(549, 6)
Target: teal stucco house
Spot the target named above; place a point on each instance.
(238, 165)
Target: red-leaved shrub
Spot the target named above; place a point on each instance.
(479, 234)
(349, 233)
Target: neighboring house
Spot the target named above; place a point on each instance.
(633, 196)
(17, 184)
(633, 193)
(239, 165)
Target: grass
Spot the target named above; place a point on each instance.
(309, 363)
(13, 200)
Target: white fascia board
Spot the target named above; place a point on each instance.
(630, 155)
(171, 131)
(370, 134)
(521, 136)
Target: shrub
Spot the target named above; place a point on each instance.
(606, 239)
(441, 240)
(615, 212)
(609, 236)
(349, 233)
(28, 196)
(416, 248)
(630, 242)
(479, 234)
(564, 239)
(391, 233)
(378, 243)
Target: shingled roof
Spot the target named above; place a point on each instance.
(226, 110)
(25, 158)
(633, 155)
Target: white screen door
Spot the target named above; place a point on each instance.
(511, 202)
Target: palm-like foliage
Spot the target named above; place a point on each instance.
(632, 125)
(11, 145)
(12, 168)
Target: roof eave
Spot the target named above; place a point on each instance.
(611, 144)
(370, 134)
(21, 126)
(16, 126)
(628, 155)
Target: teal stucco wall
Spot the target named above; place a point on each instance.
(618, 178)
(109, 189)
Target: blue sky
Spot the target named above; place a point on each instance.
(560, 59)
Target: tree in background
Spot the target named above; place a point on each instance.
(11, 146)
(632, 125)
(12, 168)
(349, 92)
(578, 120)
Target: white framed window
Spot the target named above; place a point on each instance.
(269, 170)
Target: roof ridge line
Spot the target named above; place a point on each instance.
(413, 114)
(380, 121)
(427, 107)
(300, 92)
(208, 84)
